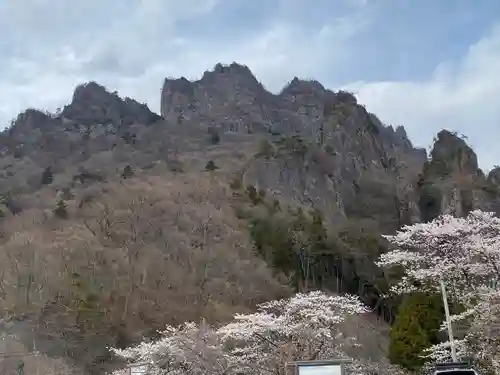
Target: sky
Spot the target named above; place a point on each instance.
(423, 64)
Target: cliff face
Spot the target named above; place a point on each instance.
(328, 150)
(316, 147)
(451, 181)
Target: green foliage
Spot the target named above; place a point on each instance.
(61, 210)
(210, 166)
(293, 241)
(416, 328)
(84, 301)
(273, 242)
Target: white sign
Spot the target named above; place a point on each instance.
(138, 370)
(319, 369)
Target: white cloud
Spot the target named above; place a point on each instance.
(138, 47)
(463, 97)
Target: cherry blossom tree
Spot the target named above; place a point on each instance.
(465, 254)
(303, 327)
(482, 338)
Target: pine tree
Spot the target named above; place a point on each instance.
(47, 176)
(415, 329)
(127, 172)
(210, 166)
(61, 210)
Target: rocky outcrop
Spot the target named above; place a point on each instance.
(229, 98)
(452, 183)
(324, 149)
(347, 153)
(494, 177)
(93, 104)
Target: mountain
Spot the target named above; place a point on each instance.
(116, 220)
(345, 152)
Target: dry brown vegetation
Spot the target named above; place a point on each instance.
(130, 257)
(15, 354)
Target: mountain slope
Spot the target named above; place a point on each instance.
(345, 151)
(110, 209)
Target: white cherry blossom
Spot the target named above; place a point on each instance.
(465, 253)
(303, 327)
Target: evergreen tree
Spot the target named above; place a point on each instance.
(47, 176)
(210, 166)
(416, 328)
(127, 172)
(61, 210)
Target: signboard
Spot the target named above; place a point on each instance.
(327, 367)
(335, 369)
(138, 369)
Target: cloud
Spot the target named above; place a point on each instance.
(132, 45)
(462, 96)
(425, 78)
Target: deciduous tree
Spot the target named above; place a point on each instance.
(465, 253)
(303, 327)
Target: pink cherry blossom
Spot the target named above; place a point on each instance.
(303, 327)
(465, 253)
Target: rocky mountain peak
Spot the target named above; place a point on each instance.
(400, 132)
(90, 91)
(224, 89)
(232, 75)
(452, 183)
(92, 104)
(181, 85)
(453, 154)
(29, 124)
(297, 85)
(494, 176)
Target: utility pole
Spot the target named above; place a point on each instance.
(448, 320)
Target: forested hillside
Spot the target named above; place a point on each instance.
(117, 221)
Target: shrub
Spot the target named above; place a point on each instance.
(210, 166)
(127, 172)
(61, 210)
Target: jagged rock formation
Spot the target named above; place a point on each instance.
(92, 104)
(345, 152)
(307, 145)
(323, 148)
(494, 176)
(451, 181)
